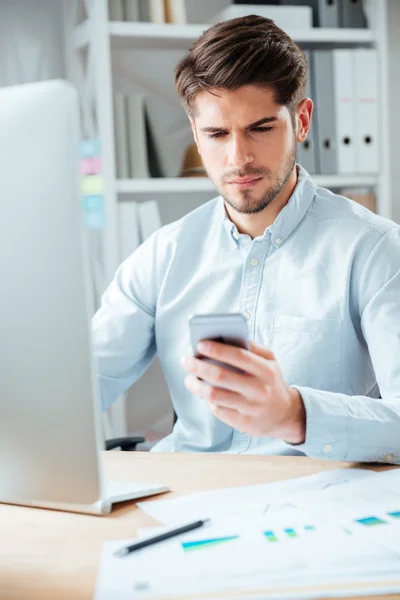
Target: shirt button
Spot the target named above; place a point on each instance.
(247, 315)
(327, 449)
(278, 241)
(236, 235)
(254, 262)
(389, 457)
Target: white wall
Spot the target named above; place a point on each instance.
(30, 41)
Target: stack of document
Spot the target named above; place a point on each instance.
(285, 17)
(337, 534)
(343, 138)
(130, 136)
(334, 13)
(250, 500)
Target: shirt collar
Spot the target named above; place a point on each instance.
(289, 217)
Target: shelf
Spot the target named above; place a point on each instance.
(154, 36)
(342, 181)
(203, 184)
(164, 185)
(162, 36)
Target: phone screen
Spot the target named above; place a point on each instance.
(229, 328)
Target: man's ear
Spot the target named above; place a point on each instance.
(194, 130)
(303, 119)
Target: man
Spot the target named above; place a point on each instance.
(316, 275)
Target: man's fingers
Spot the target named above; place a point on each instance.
(242, 383)
(230, 417)
(252, 362)
(262, 351)
(221, 398)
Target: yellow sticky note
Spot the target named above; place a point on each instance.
(92, 184)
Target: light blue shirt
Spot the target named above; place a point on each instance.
(321, 288)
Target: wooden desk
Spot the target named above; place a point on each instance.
(51, 555)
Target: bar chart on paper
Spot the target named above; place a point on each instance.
(346, 537)
(207, 543)
(386, 519)
(276, 535)
(300, 531)
(288, 533)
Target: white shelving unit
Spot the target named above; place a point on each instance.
(181, 36)
(98, 37)
(90, 46)
(162, 36)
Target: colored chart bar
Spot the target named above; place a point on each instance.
(369, 521)
(290, 532)
(395, 514)
(271, 537)
(202, 544)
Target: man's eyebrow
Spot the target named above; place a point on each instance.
(251, 126)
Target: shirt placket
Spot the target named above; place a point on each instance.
(251, 281)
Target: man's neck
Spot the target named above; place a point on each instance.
(255, 225)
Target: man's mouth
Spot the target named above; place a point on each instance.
(245, 181)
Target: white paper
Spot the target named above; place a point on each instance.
(313, 542)
(257, 499)
(323, 557)
(369, 507)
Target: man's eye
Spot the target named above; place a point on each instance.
(217, 135)
(221, 134)
(262, 129)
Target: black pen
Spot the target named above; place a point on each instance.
(160, 538)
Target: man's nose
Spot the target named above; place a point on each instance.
(239, 153)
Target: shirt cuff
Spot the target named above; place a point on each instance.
(352, 428)
(327, 434)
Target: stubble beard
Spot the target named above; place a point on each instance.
(247, 205)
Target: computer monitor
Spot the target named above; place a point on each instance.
(50, 433)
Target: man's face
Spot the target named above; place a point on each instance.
(247, 144)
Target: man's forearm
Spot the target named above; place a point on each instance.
(355, 428)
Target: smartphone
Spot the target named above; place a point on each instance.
(226, 328)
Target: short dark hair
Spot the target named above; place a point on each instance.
(251, 50)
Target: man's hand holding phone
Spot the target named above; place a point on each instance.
(255, 400)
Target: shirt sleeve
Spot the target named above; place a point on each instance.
(123, 337)
(361, 428)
